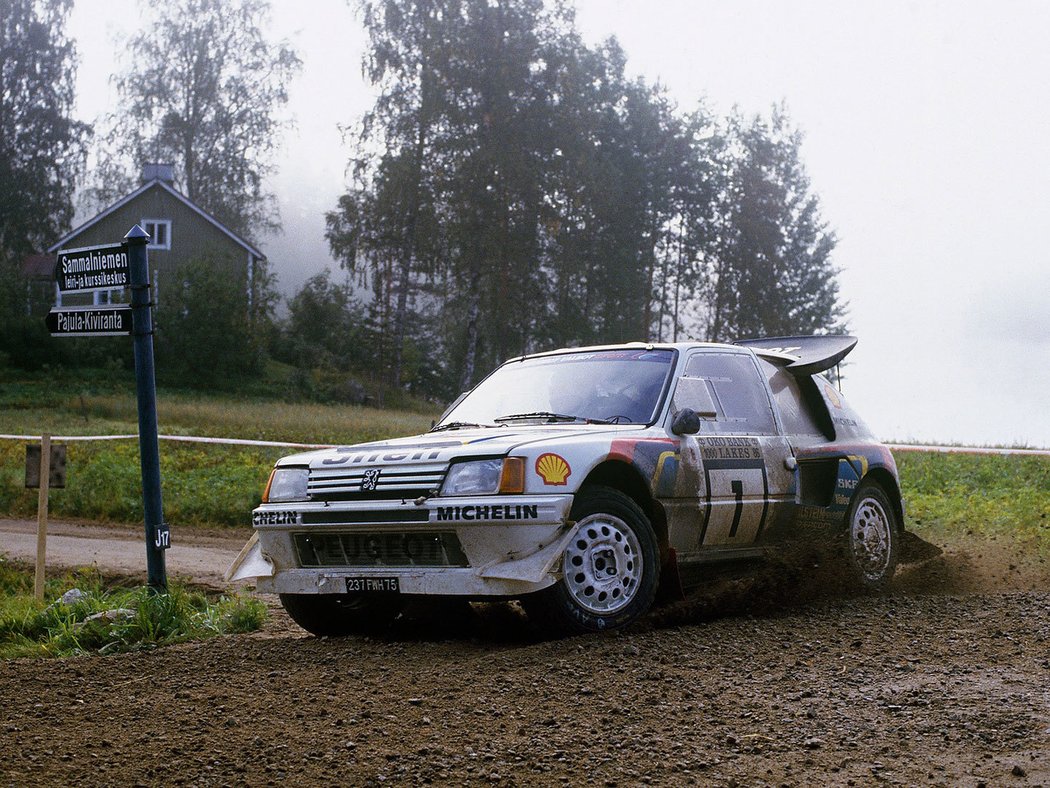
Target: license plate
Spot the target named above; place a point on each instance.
(373, 585)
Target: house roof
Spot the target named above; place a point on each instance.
(65, 239)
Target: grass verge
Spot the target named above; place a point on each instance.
(106, 619)
(201, 484)
(951, 495)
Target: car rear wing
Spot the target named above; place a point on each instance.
(809, 354)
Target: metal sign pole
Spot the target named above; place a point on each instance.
(157, 533)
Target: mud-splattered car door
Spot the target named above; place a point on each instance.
(740, 461)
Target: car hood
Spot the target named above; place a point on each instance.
(451, 444)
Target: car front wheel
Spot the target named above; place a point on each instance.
(610, 570)
(873, 537)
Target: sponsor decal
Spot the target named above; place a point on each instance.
(553, 469)
(657, 459)
(387, 452)
(833, 397)
(275, 518)
(719, 448)
(485, 512)
(817, 516)
(371, 479)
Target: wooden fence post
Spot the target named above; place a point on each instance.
(41, 514)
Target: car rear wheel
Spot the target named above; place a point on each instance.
(340, 614)
(873, 537)
(610, 570)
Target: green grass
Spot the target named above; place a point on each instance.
(143, 619)
(201, 484)
(977, 495)
(30, 405)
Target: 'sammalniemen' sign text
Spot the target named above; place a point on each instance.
(92, 268)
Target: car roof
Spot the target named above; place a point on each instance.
(803, 355)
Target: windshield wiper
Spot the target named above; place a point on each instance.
(454, 425)
(546, 415)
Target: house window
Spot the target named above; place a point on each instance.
(91, 298)
(159, 233)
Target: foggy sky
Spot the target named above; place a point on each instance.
(926, 138)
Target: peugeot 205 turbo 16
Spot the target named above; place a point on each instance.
(578, 481)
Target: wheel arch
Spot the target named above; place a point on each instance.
(628, 479)
(888, 482)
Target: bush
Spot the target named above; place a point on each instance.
(205, 334)
(108, 619)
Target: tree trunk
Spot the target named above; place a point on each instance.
(473, 313)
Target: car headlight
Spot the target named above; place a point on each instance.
(485, 477)
(286, 484)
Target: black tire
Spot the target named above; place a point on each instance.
(610, 572)
(873, 536)
(340, 614)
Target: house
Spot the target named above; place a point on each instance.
(179, 231)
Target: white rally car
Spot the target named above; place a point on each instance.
(580, 481)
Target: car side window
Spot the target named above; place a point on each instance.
(798, 400)
(742, 406)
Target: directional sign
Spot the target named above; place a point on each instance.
(92, 268)
(90, 321)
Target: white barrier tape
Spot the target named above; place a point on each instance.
(966, 450)
(69, 437)
(282, 444)
(244, 442)
(182, 438)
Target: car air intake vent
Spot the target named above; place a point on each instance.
(362, 550)
(374, 482)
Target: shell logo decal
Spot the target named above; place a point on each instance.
(553, 469)
(833, 396)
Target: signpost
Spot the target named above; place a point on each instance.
(90, 321)
(92, 268)
(96, 268)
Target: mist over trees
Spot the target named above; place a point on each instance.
(514, 190)
(203, 89)
(41, 154)
(41, 145)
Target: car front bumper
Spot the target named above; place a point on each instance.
(503, 545)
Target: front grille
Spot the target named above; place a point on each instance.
(374, 483)
(413, 515)
(379, 549)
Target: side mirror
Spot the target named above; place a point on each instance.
(686, 422)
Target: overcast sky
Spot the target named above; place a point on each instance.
(927, 138)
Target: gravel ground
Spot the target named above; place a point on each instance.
(774, 678)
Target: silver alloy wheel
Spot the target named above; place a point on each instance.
(870, 539)
(603, 564)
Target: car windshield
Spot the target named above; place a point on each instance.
(610, 386)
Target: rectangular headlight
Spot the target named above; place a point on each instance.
(485, 477)
(286, 484)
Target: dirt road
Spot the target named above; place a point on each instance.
(768, 679)
(197, 556)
